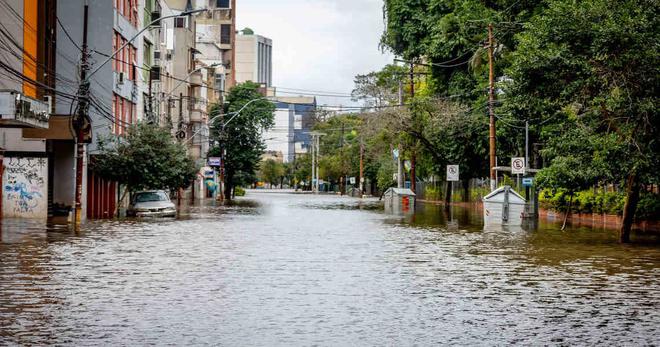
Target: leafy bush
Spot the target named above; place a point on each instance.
(587, 201)
(238, 191)
(433, 193)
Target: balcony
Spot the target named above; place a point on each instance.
(197, 116)
(196, 78)
(20, 111)
(198, 110)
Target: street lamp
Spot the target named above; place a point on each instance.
(182, 14)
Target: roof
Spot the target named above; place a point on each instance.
(308, 100)
(400, 191)
(513, 195)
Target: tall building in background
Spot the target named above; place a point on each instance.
(254, 59)
(289, 136)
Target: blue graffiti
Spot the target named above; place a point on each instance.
(26, 200)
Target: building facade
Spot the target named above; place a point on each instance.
(290, 134)
(157, 76)
(254, 59)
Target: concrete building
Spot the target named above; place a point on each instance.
(26, 81)
(216, 39)
(254, 59)
(290, 134)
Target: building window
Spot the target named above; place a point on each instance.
(147, 54)
(224, 4)
(124, 114)
(180, 22)
(125, 59)
(225, 33)
(128, 9)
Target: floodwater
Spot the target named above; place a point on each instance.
(288, 270)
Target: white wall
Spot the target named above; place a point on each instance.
(25, 190)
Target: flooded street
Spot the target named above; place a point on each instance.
(285, 269)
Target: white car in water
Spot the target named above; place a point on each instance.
(151, 203)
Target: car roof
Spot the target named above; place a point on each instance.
(150, 191)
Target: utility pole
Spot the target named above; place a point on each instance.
(81, 117)
(150, 114)
(361, 168)
(318, 147)
(491, 105)
(399, 169)
(342, 180)
(413, 155)
(313, 163)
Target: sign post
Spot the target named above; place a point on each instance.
(518, 168)
(452, 173)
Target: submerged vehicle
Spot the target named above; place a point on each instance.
(151, 203)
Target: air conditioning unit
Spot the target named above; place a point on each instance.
(120, 78)
(155, 16)
(157, 58)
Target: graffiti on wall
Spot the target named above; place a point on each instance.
(25, 187)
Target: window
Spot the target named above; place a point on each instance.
(128, 9)
(222, 3)
(124, 114)
(180, 22)
(146, 59)
(225, 33)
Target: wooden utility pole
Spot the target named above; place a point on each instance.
(491, 105)
(81, 117)
(413, 155)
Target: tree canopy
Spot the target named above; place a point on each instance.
(147, 157)
(240, 138)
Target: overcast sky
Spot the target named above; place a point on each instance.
(318, 45)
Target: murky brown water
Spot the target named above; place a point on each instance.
(322, 270)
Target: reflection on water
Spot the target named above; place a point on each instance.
(277, 269)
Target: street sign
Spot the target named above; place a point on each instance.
(452, 173)
(352, 180)
(527, 181)
(518, 166)
(395, 153)
(214, 161)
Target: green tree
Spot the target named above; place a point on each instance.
(272, 171)
(593, 84)
(147, 157)
(241, 138)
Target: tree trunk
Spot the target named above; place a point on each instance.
(570, 205)
(466, 190)
(228, 189)
(630, 207)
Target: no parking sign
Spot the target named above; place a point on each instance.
(518, 165)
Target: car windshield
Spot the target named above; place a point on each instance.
(151, 196)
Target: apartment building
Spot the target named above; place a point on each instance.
(254, 59)
(154, 76)
(289, 136)
(26, 83)
(216, 40)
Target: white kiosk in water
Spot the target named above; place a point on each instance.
(503, 206)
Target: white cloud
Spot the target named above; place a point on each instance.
(318, 44)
